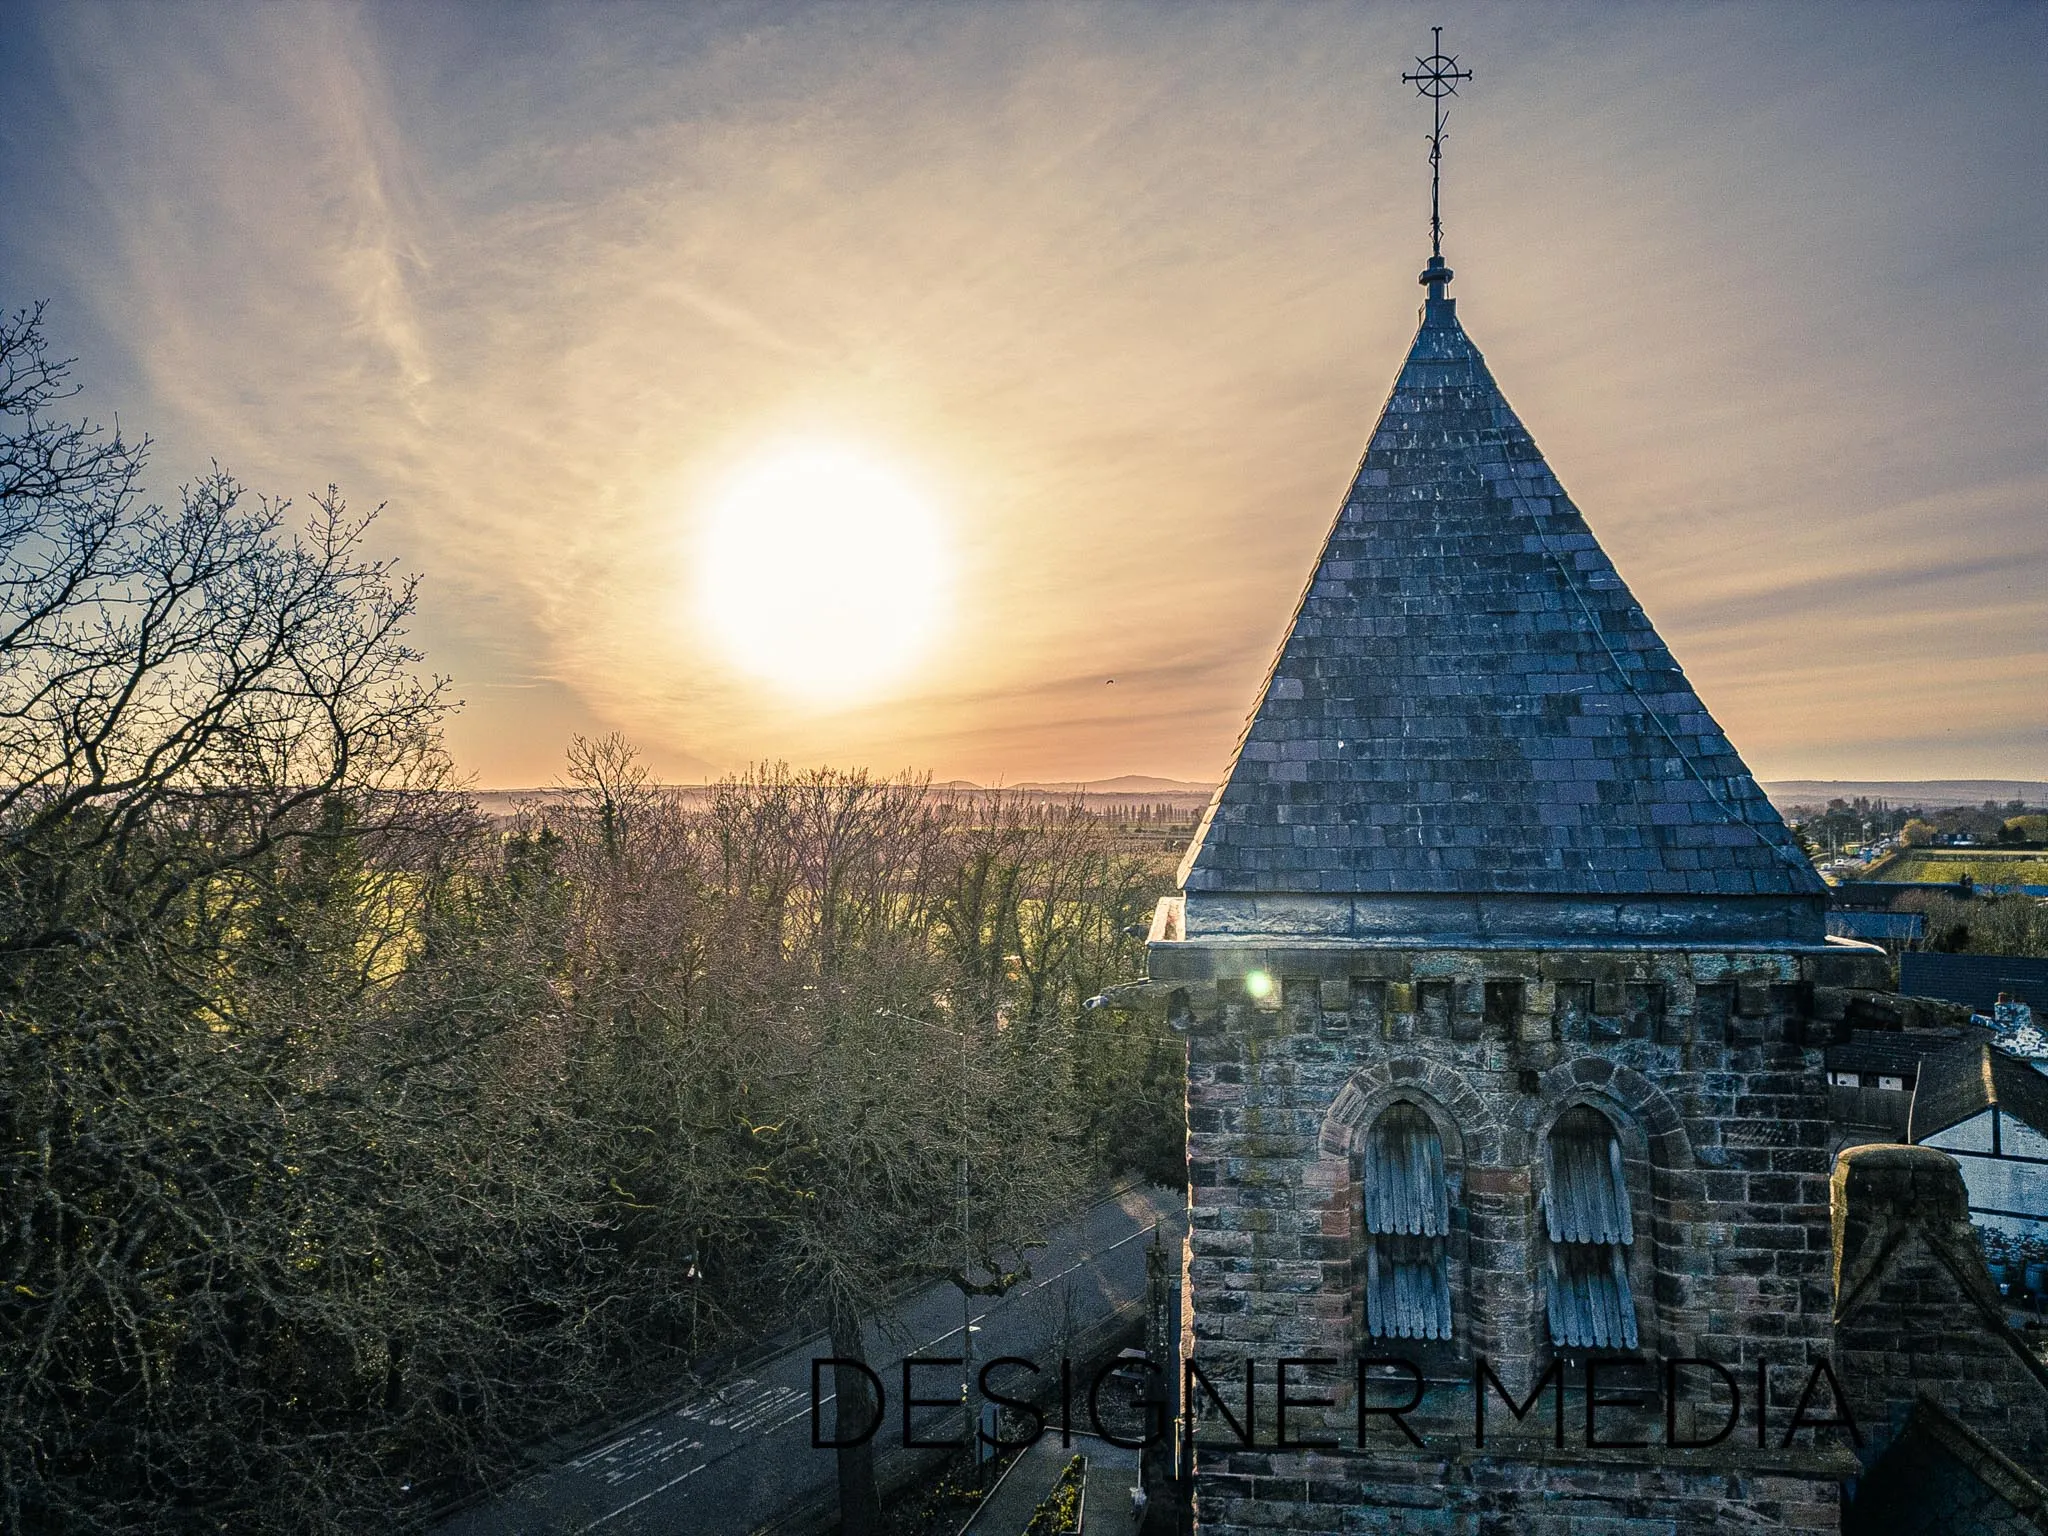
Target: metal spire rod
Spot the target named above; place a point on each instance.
(1437, 77)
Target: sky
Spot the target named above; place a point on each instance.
(1112, 293)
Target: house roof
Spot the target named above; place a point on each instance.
(1470, 702)
(1960, 1085)
(1855, 923)
(1974, 980)
(1895, 1051)
(1883, 895)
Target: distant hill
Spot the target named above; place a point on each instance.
(503, 802)
(1123, 784)
(1935, 794)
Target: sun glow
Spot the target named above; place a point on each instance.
(823, 572)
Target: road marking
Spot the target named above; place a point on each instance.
(1080, 1263)
(650, 1493)
(624, 1460)
(760, 1405)
(727, 1409)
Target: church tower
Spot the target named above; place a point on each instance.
(1497, 970)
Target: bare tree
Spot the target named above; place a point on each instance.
(348, 1139)
(182, 688)
(211, 728)
(890, 1072)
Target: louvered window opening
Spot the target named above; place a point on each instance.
(1407, 1224)
(1586, 1211)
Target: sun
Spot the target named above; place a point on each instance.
(823, 572)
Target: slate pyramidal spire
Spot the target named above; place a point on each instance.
(1472, 732)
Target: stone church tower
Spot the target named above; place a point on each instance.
(1498, 970)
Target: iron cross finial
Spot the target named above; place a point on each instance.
(1437, 77)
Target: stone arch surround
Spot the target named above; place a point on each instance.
(1477, 1141)
(1370, 1089)
(1604, 1084)
(1472, 1138)
(1658, 1154)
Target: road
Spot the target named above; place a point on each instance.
(740, 1457)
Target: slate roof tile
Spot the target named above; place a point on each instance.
(1958, 1084)
(1466, 664)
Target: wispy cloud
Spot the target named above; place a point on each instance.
(1122, 286)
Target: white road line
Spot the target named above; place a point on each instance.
(698, 1409)
(650, 1493)
(1048, 1280)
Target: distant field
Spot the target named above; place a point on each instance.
(1174, 808)
(1947, 865)
(1931, 793)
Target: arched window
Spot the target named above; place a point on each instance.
(1407, 1219)
(1586, 1209)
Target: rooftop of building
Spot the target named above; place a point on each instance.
(1956, 1086)
(1469, 702)
(1893, 1051)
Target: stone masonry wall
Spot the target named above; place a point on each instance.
(1916, 1313)
(1707, 1062)
(1501, 1496)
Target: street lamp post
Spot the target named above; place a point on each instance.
(966, 1239)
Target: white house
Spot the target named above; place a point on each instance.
(1990, 1113)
